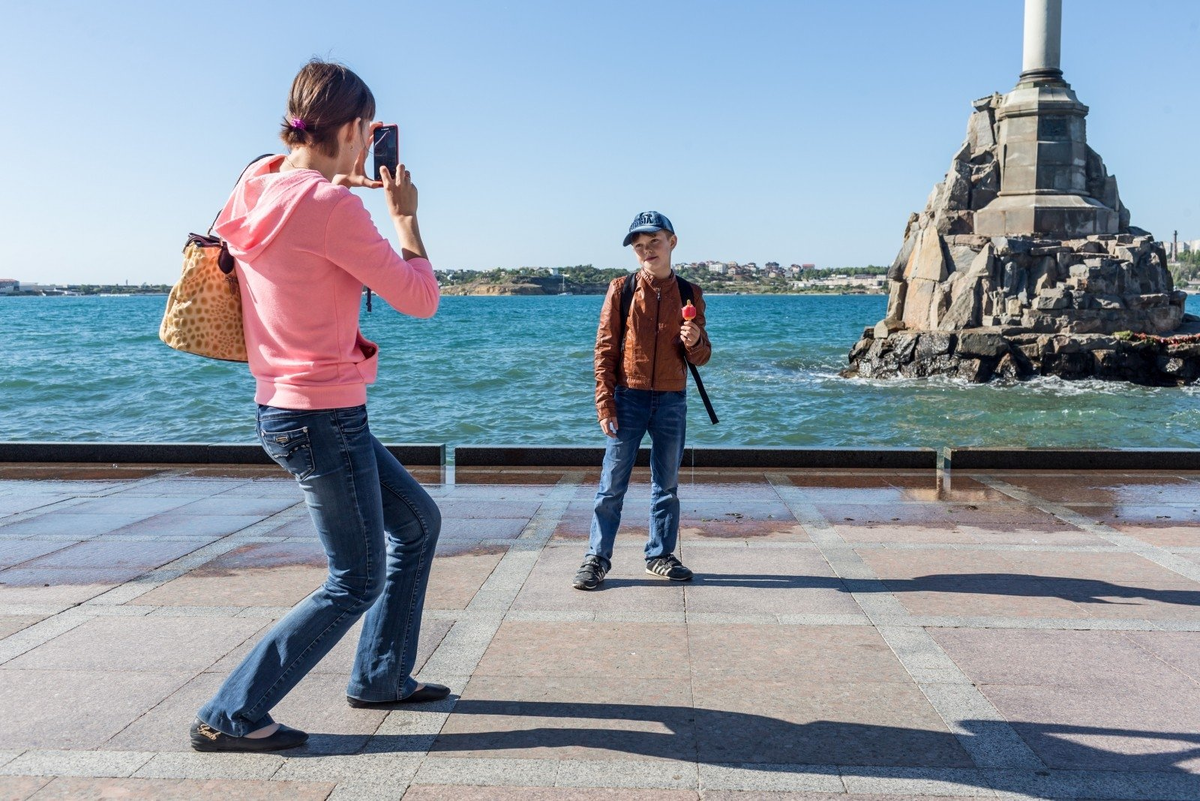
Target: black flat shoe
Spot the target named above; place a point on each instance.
(206, 738)
(430, 692)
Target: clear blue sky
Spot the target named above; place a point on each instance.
(789, 131)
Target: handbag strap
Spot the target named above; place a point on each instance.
(235, 183)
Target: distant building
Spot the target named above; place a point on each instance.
(9, 285)
(808, 266)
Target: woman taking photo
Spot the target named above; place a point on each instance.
(305, 246)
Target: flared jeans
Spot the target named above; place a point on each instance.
(379, 529)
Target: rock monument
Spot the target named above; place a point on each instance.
(1023, 262)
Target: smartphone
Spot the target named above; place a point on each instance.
(386, 144)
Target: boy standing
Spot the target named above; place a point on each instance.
(641, 386)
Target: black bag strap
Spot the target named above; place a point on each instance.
(235, 183)
(224, 260)
(686, 293)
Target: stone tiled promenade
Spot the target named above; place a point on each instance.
(849, 634)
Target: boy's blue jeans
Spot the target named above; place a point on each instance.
(379, 529)
(664, 416)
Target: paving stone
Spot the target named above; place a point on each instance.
(70, 709)
(49, 762)
(1058, 658)
(749, 530)
(10, 624)
(670, 776)
(278, 586)
(48, 587)
(1080, 636)
(482, 528)
(766, 581)
(1132, 728)
(804, 653)
(491, 772)
(128, 504)
(110, 554)
(627, 588)
(179, 525)
(736, 795)
(182, 789)
(15, 504)
(449, 792)
(19, 788)
(14, 552)
(569, 718)
(552, 649)
(917, 781)
(79, 526)
(379, 790)
(790, 722)
(393, 768)
(157, 644)
(455, 508)
(1180, 650)
(265, 488)
(1106, 488)
(165, 726)
(194, 765)
(226, 505)
(454, 580)
(760, 778)
(190, 486)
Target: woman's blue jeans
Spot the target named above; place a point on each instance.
(379, 529)
(664, 416)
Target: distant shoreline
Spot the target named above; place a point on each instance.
(478, 294)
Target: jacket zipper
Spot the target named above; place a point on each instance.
(654, 358)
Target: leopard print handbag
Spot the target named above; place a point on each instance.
(204, 309)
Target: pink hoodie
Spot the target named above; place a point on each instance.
(304, 250)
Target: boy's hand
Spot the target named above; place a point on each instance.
(689, 332)
(609, 426)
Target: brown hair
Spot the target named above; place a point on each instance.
(325, 96)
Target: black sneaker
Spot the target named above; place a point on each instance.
(206, 738)
(669, 568)
(591, 572)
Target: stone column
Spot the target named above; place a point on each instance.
(1043, 41)
(1042, 137)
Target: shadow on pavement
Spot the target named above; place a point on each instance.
(1015, 584)
(758, 742)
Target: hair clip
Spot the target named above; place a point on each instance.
(298, 124)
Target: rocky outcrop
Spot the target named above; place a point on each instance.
(946, 278)
(982, 354)
(1098, 285)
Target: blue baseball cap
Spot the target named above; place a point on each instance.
(647, 223)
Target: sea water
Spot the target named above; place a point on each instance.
(518, 370)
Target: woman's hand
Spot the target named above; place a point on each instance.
(402, 205)
(358, 176)
(401, 192)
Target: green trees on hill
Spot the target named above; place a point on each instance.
(1187, 268)
(580, 274)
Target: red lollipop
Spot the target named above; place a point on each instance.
(689, 311)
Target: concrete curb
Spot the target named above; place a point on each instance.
(1071, 459)
(588, 456)
(180, 453)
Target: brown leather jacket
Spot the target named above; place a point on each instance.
(653, 356)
